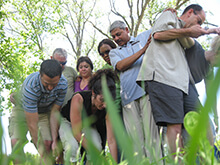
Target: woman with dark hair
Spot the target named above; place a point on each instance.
(89, 104)
(104, 48)
(84, 67)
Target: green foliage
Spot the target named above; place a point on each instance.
(199, 145)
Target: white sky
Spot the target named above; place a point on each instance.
(211, 6)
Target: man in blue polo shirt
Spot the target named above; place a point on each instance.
(42, 95)
(127, 59)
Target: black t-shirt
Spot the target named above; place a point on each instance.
(98, 117)
(198, 65)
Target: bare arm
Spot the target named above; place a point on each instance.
(214, 31)
(32, 122)
(111, 139)
(194, 31)
(54, 125)
(127, 62)
(75, 118)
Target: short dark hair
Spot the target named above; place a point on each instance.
(51, 68)
(84, 59)
(195, 8)
(108, 42)
(95, 82)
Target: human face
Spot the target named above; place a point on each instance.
(62, 60)
(98, 101)
(200, 17)
(104, 52)
(196, 18)
(120, 36)
(49, 83)
(85, 70)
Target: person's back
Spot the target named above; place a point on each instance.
(164, 61)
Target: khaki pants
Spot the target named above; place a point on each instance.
(140, 125)
(71, 145)
(18, 126)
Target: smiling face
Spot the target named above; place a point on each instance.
(120, 36)
(85, 70)
(104, 52)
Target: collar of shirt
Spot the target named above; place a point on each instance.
(182, 23)
(131, 42)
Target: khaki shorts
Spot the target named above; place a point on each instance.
(18, 126)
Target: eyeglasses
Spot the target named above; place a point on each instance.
(106, 52)
(63, 63)
(200, 19)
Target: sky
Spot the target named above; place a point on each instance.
(212, 6)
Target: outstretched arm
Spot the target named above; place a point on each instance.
(194, 32)
(214, 31)
(32, 122)
(75, 118)
(111, 139)
(54, 125)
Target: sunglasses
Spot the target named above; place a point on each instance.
(63, 63)
(200, 19)
(106, 52)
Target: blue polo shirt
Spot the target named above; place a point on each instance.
(36, 99)
(130, 90)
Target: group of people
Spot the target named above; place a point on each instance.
(158, 71)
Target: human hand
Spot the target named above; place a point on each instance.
(171, 9)
(59, 159)
(197, 31)
(55, 149)
(147, 44)
(12, 98)
(214, 30)
(211, 57)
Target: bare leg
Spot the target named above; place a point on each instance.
(172, 131)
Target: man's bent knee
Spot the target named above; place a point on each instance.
(174, 128)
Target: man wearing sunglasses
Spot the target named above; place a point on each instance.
(68, 72)
(165, 70)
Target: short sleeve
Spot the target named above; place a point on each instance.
(166, 21)
(114, 57)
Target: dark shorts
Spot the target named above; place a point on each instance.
(191, 101)
(169, 104)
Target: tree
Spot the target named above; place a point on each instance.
(141, 14)
(73, 17)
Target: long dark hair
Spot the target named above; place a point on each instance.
(95, 82)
